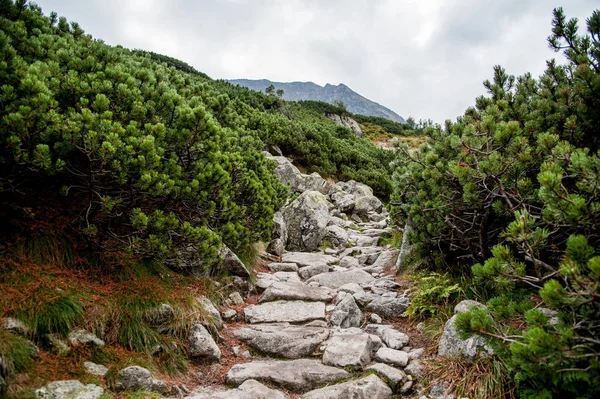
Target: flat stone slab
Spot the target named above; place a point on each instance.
(337, 279)
(303, 259)
(296, 375)
(283, 339)
(69, 389)
(250, 389)
(283, 267)
(295, 291)
(285, 311)
(388, 307)
(370, 387)
(392, 356)
(348, 350)
(287, 277)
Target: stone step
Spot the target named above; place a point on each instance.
(285, 311)
(300, 375)
(295, 291)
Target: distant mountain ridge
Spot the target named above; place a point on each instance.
(296, 91)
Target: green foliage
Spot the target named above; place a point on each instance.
(387, 125)
(434, 294)
(512, 187)
(16, 355)
(323, 108)
(57, 315)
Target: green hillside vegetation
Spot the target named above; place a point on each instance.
(111, 160)
(508, 198)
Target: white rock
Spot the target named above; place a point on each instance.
(392, 356)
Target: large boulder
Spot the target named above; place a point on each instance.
(283, 339)
(69, 389)
(389, 307)
(347, 314)
(369, 387)
(296, 375)
(346, 121)
(452, 345)
(202, 345)
(306, 219)
(298, 182)
(187, 261)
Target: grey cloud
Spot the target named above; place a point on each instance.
(425, 58)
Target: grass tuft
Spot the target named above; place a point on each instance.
(56, 316)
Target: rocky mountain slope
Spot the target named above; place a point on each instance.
(296, 91)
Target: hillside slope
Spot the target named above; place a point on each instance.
(296, 91)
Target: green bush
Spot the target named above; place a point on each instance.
(511, 189)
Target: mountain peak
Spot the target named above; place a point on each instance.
(296, 91)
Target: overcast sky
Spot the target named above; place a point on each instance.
(421, 58)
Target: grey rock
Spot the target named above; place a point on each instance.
(392, 356)
(346, 121)
(264, 280)
(452, 345)
(288, 174)
(69, 389)
(337, 279)
(377, 342)
(283, 339)
(345, 203)
(250, 389)
(287, 277)
(349, 262)
(415, 368)
(295, 291)
(236, 298)
(306, 218)
(303, 259)
(296, 375)
(370, 387)
(406, 248)
(375, 318)
(279, 228)
(347, 314)
(80, 336)
(388, 307)
(136, 377)
(395, 377)
(14, 325)
(407, 386)
(283, 267)
(466, 304)
(337, 236)
(367, 204)
(231, 264)
(351, 288)
(211, 309)
(348, 350)
(386, 258)
(310, 271)
(394, 339)
(276, 247)
(364, 299)
(416, 354)
(202, 345)
(95, 369)
(285, 311)
(441, 391)
(229, 314)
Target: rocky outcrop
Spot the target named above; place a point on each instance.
(306, 219)
(347, 121)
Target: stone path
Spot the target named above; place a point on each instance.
(309, 331)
